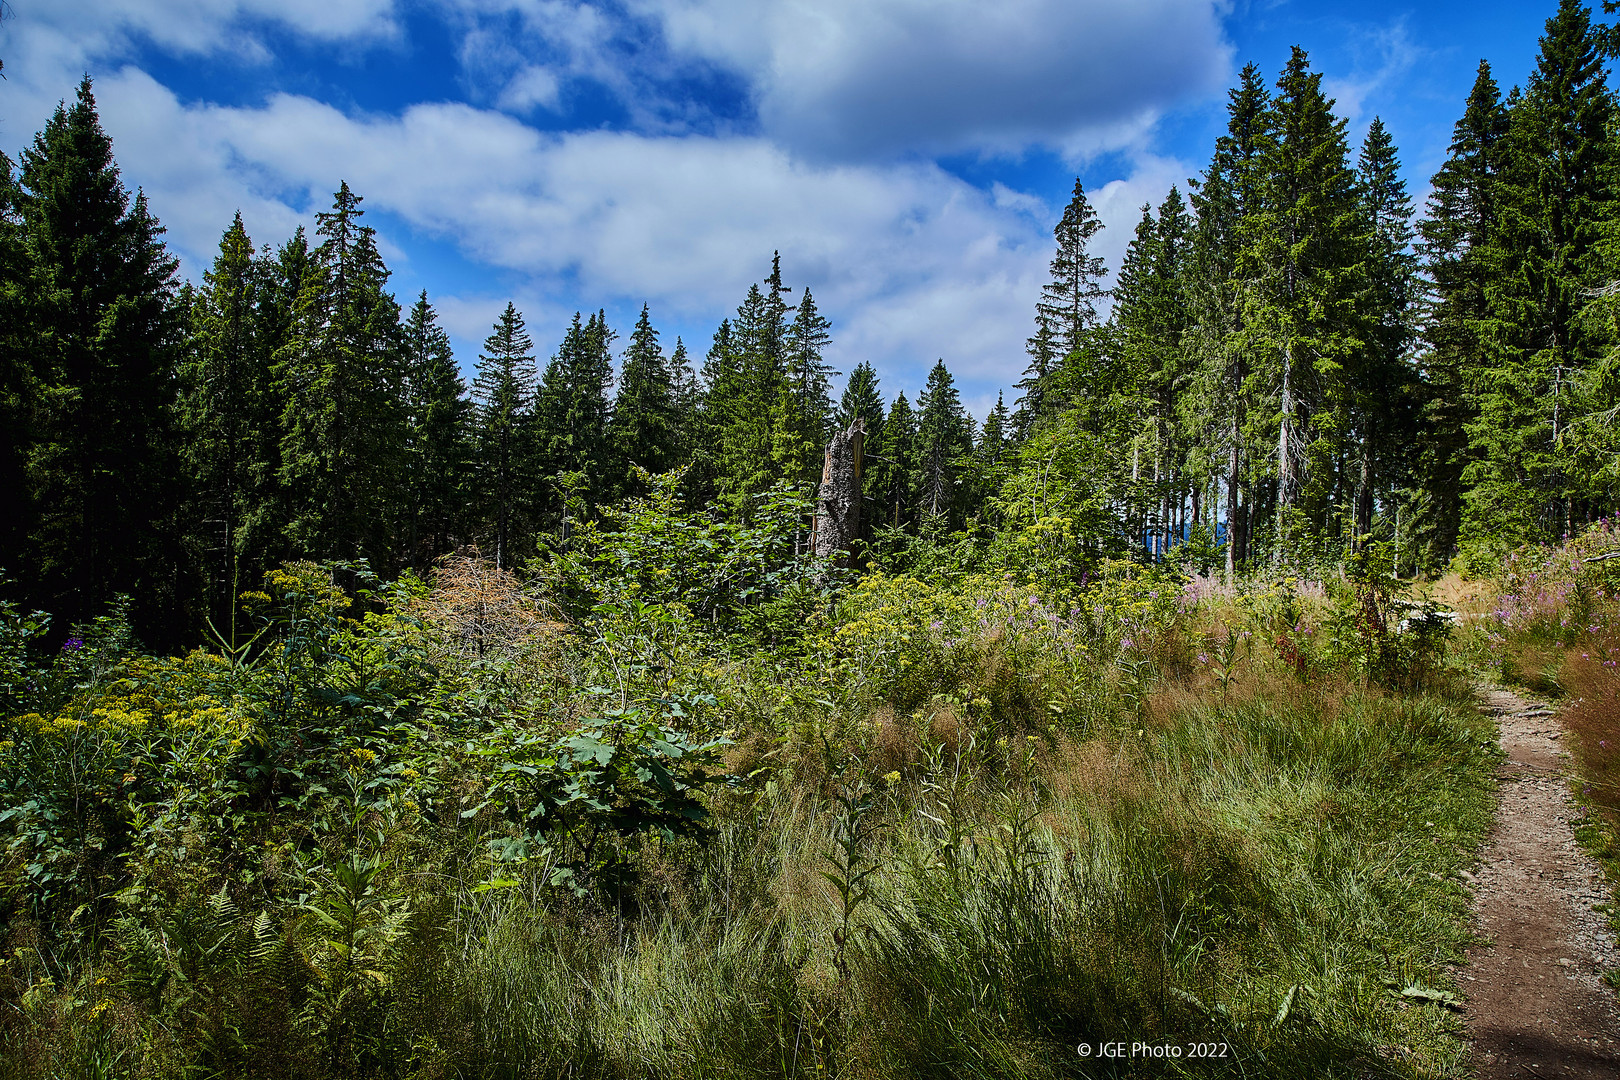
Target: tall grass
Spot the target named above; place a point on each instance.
(1176, 885)
(963, 833)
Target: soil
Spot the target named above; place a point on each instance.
(1536, 1001)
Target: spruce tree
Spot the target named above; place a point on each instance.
(895, 473)
(437, 432)
(106, 335)
(944, 438)
(1067, 309)
(1300, 255)
(503, 395)
(1382, 391)
(19, 382)
(573, 412)
(862, 401)
(1224, 200)
(808, 384)
(752, 401)
(992, 445)
(230, 418)
(1553, 196)
(717, 391)
(1455, 236)
(1068, 303)
(645, 429)
(1152, 318)
(339, 375)
(688, 396)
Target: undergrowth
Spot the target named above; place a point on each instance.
(485, 827)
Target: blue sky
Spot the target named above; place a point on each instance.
(907, 157)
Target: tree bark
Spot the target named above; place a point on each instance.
(838, 505)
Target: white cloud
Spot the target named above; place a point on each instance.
(71, 33)
(910, 262)
(871, 77)
(865, 79)
(535, 85)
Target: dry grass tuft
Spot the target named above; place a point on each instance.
(1593, 715)
(1093, 772)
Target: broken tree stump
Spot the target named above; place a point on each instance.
(837, 523)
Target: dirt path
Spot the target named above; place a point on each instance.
(1537, 1005)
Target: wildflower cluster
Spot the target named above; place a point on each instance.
(1564, 593)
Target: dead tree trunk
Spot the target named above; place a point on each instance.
(838, 504)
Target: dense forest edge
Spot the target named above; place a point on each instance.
(357, 721)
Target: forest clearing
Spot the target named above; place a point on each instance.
(1242, 700)
(450, 827)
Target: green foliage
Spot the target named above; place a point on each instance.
(565, 800)
(652, 556)
(18, 630)
(338, 379)
(647, 425)
(103, 329)
(1541, 258)
(437, 449)
(503, 396)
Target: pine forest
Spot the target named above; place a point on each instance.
(610, 706)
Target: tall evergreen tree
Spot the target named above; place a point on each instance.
(344, 430)
(1382, 391)
(895, 473)
(1225, 199)
(19, 382)
(1152, 317)
(862, 401)
(944, 439)
(437, 432)
(230, 417)
(992, 444)
(752, 402)
(1553, 197)
(646, 418)
(1067, 309)
(503, 394)
(1300, 259)
(574, 412)
(688, 394)
(1069, 300)
(106, 337)
(717, 393)
(1455, 235)
(808, 388)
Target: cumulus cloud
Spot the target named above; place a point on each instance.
(910, 261)
(857, 78)
(53, 35)
(534, 85)
(913, 262)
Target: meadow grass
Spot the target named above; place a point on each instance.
(960, 833)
